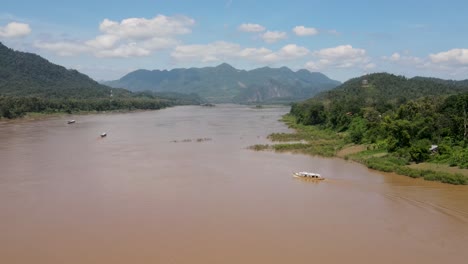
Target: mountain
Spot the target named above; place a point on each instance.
(225, 83)
(379, 91)
(384, 88)
(27, 74)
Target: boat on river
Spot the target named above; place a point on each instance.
(71, 121)
(308, 175)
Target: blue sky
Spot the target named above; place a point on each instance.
(342, 39)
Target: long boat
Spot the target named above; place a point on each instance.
(308, 175)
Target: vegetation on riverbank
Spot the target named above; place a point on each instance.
(313, 140)
(396, 122)
(16, 107)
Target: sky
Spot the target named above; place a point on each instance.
(342, 39)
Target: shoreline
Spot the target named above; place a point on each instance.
(312, 141)
(35, 116)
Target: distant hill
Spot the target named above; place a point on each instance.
(224, 83)
(27, 74)
(384, 88)
(384, 91)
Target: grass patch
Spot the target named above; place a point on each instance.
(457, 179)
(260, 147)
(314, 141)
(390, 163)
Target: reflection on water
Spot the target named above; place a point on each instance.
(147, 194)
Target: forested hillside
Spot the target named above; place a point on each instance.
(27, 74)
(30, 83)
(403, 116)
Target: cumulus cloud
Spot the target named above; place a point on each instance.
(343, 52)
(288, 52)
(131, 37)
(142, 28)
(215, 51)
(14, 30)
(124, 51)
(264, 55)
(404, 59)
(304, 31)
(344, 56)
(158, 43)
(273, 36)
(221, 51)
(103, 41)
(251, 28)
(450, 57)
(453, 62)
(63, 48)
(395, 57)
(254, 53)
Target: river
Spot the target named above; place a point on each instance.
(179, 185)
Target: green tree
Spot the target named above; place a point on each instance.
(357, 129)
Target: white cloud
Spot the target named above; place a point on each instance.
(313, 66)
(404, 59)
(273, 36)
(253, 53)
(369, 66)
(447, 64)
(63, 48)
(103, 41)
(124, 51)
(343, 52)
(395, 57)
(222, 51)
(14, 30)
(292, 51)
(131, 37)
(344, 56)
(142, 28)
(450, 57)
(216, 51)
(251, 28)
(286, 53)
(157, 43)
(304, 31)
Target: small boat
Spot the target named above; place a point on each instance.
(71, 121)
(104, 134)
(308, 175)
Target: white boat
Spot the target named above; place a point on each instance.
(103, 134)
(308, 175)
(71, 121)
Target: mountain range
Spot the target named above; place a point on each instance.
(28, 74)
(224, 83)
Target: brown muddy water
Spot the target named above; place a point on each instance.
(150, 192)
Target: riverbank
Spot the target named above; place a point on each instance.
(33, 116)
(311, 140)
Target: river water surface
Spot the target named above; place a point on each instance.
(150, 192)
